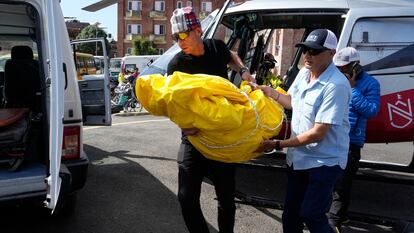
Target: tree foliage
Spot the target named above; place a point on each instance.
(143, 47)
(92, 31)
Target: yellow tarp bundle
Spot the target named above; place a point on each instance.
(232, 121)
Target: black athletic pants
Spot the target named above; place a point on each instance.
(193, 167)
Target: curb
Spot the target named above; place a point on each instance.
(125, 114)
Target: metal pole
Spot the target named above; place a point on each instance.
(96, 43)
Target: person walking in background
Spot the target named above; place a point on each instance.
(136, 72)
(318, 144)
(121, 78)
(365, 104)
(208, 57)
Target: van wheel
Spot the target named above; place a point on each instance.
(66, 207)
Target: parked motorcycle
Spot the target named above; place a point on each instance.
(123, 97)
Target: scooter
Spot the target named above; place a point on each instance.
(123, 98)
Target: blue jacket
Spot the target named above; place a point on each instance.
(365, 104)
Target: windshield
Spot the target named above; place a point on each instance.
(115, 63)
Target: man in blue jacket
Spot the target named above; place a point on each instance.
(365, 104)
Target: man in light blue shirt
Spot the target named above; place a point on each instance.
(320, 101)
(318, 145)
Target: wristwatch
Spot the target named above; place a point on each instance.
(242, 70)
(277, 146)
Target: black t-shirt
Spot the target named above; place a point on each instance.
(214, 60)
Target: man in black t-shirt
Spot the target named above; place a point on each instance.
(208, 57)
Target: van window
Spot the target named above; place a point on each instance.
(7, 42)
(129, 68)
(80, 64)
(26, 64)
(85, 64)
(91, 64)
(257, 36)
(115, 63)
(379, 50)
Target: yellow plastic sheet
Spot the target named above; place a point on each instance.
(232, 121)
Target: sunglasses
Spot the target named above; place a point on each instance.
(312, 52)
(180, 35)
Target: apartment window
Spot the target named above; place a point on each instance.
(134, 28)
(135, 5)
(189, 3)
(160, 5)
(179, 4)
(159, 29)
(206, 6)
(160, 51)
(129, 50)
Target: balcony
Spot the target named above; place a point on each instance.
(158, 15)
(203, 14)
(131, 37)
(133, 15)
(157, 39)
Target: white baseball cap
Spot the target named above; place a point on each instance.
(346, 56)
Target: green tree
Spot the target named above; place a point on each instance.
(92, 31)
(143, 47)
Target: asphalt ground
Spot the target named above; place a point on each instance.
(132, 186)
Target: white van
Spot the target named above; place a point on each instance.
(382, 31)
(41, 152)
(129, 63)
(99, 62)
(115, 67)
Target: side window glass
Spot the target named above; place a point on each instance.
(91, 63)
(390, 52)
(81, 63)
(223, 33)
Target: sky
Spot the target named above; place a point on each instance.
(107, 16)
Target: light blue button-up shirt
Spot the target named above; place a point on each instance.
(324, 100)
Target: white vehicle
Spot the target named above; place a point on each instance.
(40, 83)
(129, 63)
(115, 67)
(382, 31)
(99, 62)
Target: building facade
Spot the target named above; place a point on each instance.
(150, 19)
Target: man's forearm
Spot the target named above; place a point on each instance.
(316, 134)
(236, 63)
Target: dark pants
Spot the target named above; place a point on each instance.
(308, 197)
(193, 167)
(342, 192)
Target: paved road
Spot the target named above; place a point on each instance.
(132, 186)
